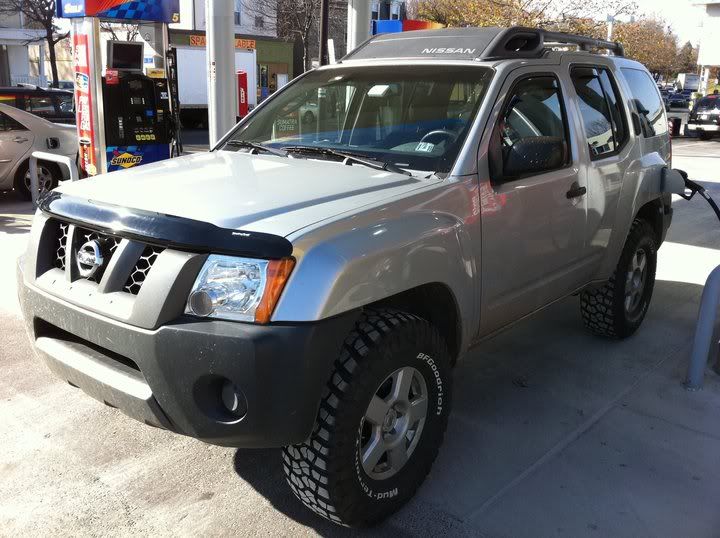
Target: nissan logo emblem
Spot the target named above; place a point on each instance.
(89, 258)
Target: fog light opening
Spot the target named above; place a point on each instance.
(233, 399)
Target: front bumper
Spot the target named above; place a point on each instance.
(171, 376)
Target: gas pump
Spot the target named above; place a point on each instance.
(126, 118)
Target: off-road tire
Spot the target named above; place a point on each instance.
(325, 471)
(603, 309)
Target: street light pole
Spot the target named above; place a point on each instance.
(324, 26)
(220, 43)
(611, 22)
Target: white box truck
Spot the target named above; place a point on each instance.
(192, 82)
(687, 81)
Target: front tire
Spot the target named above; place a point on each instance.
(617, 309)
(381, 421)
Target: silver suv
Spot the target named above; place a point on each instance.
(309, 284)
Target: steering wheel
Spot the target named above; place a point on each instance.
(449, 135)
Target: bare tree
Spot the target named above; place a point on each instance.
(116, 31)
(296, 20)
(38, 14)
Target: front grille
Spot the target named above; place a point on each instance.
(58, 241)
(141, 269)
(60, 246)
(109, 242)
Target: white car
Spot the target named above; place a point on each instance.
(21, 133)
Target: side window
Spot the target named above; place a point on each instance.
(530, 136)
(9, 124)
(41, 106)
(600, 110)
(648, 104)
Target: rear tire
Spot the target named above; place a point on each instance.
(617, 309)
(368, 454)
(48, 175)
(705, 136)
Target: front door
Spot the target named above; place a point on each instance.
(15, 142)
(533, 202)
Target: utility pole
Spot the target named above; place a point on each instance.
(611, 22)
(220, 47)
(324, 25)
(358, 26)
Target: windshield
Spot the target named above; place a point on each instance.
(411, 116)
(707, 103)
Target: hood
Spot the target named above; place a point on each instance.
(258, 193)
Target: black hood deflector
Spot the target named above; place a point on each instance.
(165, 230)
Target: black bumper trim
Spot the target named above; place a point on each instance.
(281, 369)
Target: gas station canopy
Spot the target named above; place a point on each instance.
(136, 10)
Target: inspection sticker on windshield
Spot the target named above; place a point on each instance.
(425, 147)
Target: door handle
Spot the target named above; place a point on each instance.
(576, 191)
(20, 139)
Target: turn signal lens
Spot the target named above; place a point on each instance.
(278, 272)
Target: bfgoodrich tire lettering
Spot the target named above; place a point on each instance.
(605, 310)
(326, 472)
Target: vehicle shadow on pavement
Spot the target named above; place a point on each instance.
(534, 394)
(262, 469)
(15, 214)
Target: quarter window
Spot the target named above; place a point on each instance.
(601, 111)
(648, 104)
(530, 136)
(9, 124)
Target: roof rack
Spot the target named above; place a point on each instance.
(474, 44)
(521, 42)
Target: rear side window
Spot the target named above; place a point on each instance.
(601, 111)
(9, 124)
(647, 102)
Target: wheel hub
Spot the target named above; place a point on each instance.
(635, 283)
(393, 423)
(390, 420)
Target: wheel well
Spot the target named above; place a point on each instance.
(20, 171)
(435, 303)
(652, 214)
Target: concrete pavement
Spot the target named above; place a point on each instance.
(554, 432)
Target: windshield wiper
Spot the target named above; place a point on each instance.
(255, 147)
(349, 158)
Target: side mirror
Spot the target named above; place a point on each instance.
(533, 155)
(673, 181)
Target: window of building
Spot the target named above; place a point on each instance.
(237, 14)
(647, 101)
(375, 13)
(600, 109)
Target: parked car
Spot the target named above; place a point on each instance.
(21, 133)
(680, 99)
(311, 285)
(704, 120)
(63, 85)
(50, 104)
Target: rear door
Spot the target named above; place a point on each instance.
(603, 124)
(15, 142)
(534, 204)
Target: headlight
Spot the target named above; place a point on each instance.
(240, 289)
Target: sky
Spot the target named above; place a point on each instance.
(681, 14)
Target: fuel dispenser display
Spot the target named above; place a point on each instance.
(137, 119)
